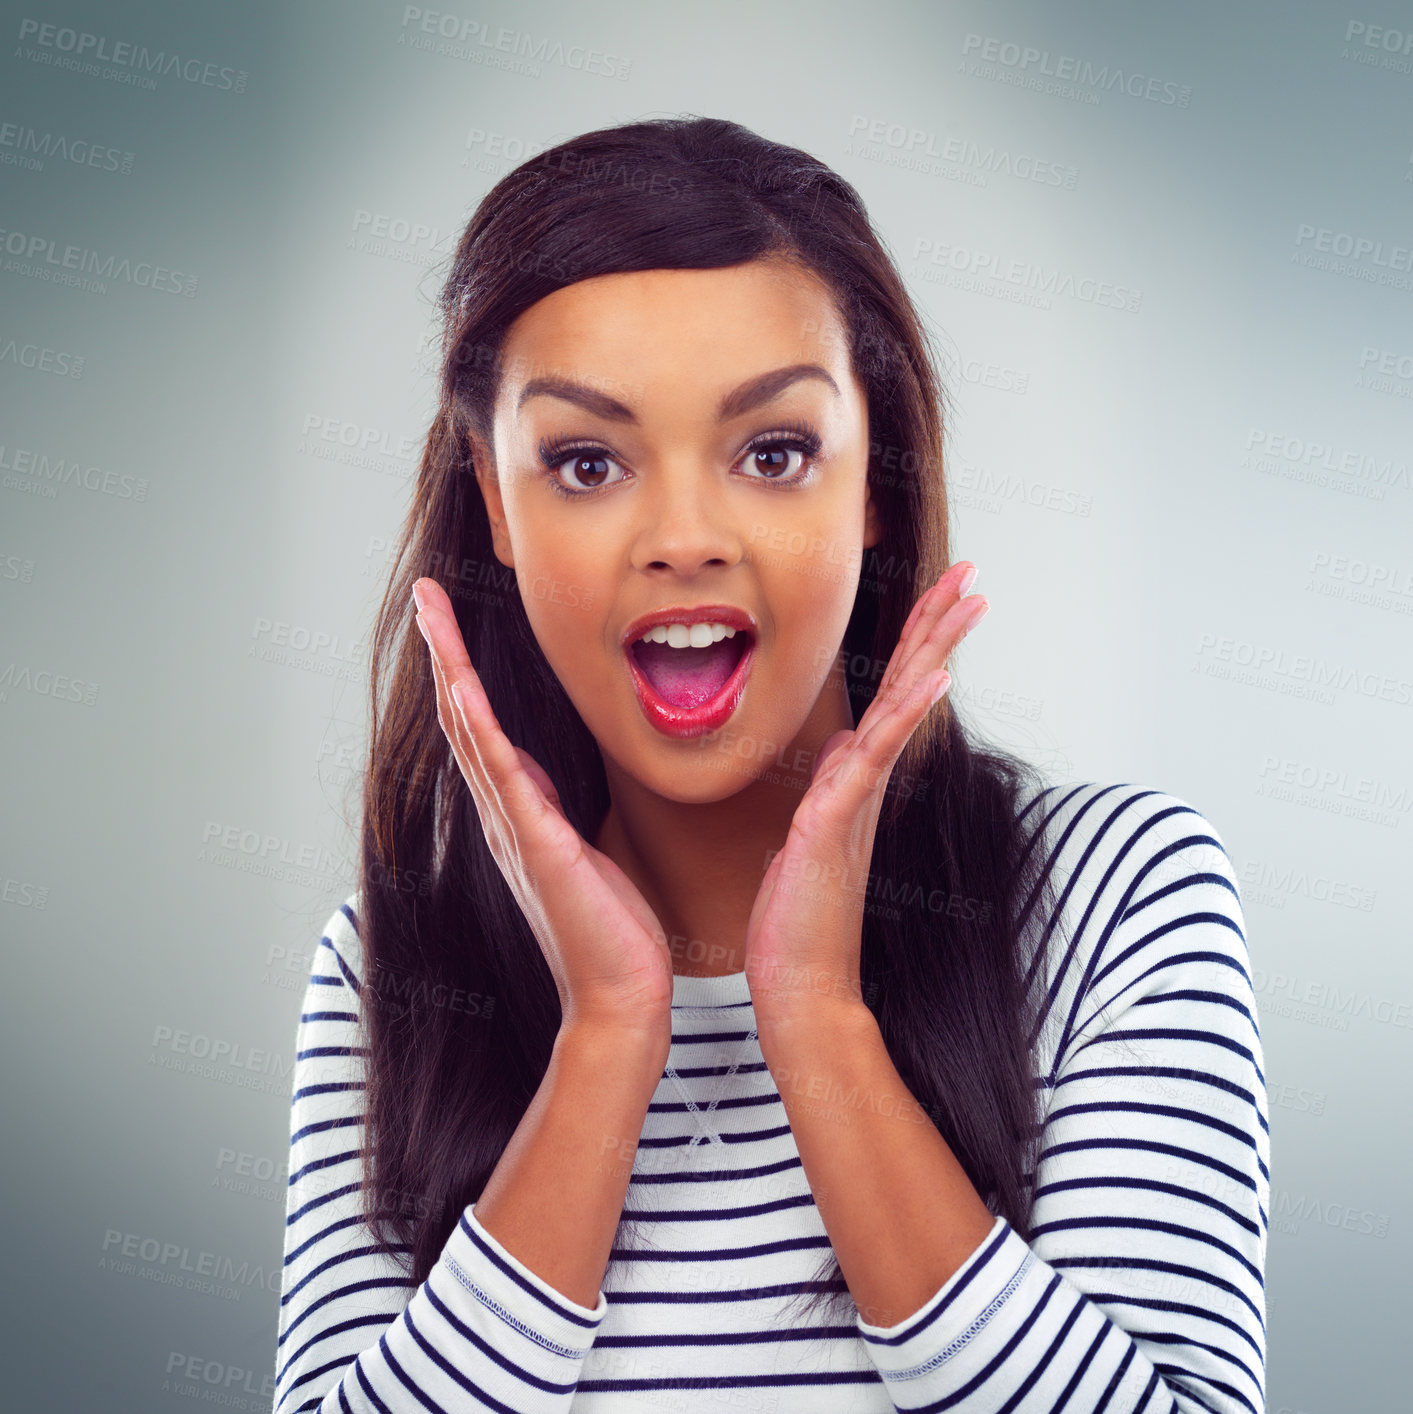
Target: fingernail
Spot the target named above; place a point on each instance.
(418, 596)
(967, 580)
(941, 688)
(423, 627)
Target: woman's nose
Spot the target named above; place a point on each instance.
(689, 524)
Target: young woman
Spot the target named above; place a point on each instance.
(717, 1024)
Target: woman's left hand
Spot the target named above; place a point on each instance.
(805, 932)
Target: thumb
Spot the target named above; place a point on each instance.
(540, 776)
(831, 745)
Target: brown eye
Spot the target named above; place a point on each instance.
(590, 470)
(772, 459)
(587, 466)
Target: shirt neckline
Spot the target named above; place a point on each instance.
(729, 989)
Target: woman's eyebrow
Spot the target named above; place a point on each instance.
(751, 394)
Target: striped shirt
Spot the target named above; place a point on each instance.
(1141, 1288)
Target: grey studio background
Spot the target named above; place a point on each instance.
(1166, 251)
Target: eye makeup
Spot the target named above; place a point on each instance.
(794, 435)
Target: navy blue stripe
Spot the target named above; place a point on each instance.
(998, 1360)
(1082, 1369)
(529, 1288)
(488, 1349)
(1097, 952)
(324, 1161)
(1170, 1179)
(348, 974)
(976, 1264)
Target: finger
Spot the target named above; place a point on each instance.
(931, 653)
(934, 648)
(503, 775)
(518, 792)
(540, 776)
(443, 633)
(864, 765)
(932, 601)
(918, 606)
(451, 664)
(941, 599)
(452, 719)
(831, 745)
(933, 604)
(885, 743)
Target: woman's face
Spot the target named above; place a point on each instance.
(687, 440)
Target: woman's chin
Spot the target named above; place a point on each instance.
(710, 768)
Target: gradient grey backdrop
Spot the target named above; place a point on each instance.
(1183, 473)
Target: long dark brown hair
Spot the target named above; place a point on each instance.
(954, 888)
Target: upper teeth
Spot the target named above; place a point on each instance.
(688, 635)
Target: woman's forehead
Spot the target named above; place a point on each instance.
(707, 331)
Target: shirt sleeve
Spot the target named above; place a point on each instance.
(1142, 1285)
(483, 1331)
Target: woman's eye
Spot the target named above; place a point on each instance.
(773, 461)
(578, 472)
(587, 472)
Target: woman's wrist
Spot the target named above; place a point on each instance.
(622, 1041)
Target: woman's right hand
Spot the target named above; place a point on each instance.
(605, 947)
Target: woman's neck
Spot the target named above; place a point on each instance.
(700, 866)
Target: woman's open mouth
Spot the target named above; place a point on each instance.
(686, 692)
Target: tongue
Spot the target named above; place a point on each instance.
(688, 677)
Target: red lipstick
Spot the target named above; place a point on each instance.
(678, 719)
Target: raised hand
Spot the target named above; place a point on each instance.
(605, 948)
(805, 933)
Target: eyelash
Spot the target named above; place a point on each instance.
(795, 436)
